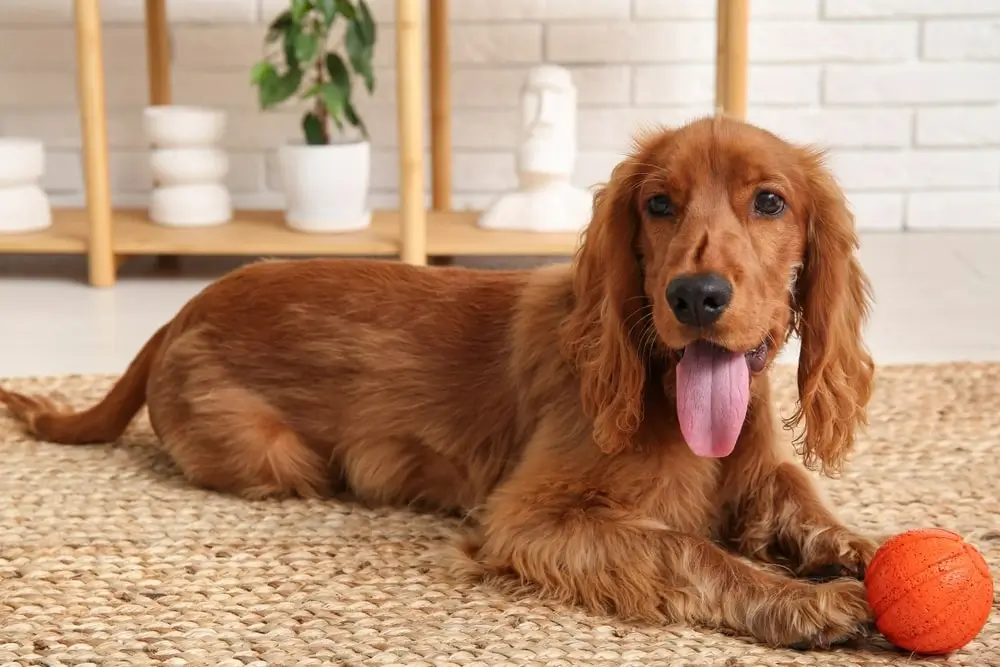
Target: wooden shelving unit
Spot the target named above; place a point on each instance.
(413, 234)
(255, 233)
(249, 233)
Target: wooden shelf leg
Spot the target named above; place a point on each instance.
(90, 87)
(440, 84)
(409, 93)
(158, 66)
(732, 57)
(158, 52)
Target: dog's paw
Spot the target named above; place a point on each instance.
(834, 613)
(837, 555)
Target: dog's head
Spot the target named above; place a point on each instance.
(709, 246)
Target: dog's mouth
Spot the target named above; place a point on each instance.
(713, 394)
(756, 358)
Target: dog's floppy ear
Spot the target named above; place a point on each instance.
(607, 301)
(832, 299)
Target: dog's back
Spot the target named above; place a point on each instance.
(286, 376)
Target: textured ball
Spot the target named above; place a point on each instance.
(930, 591)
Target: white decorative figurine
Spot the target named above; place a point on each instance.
(24, 206)
(545, 200)
(187, 166)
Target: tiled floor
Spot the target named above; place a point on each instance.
(937, 300)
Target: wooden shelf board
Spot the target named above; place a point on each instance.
(456, 233)
(248, 233)
(65, 236)
(264, 233)
(251, 233)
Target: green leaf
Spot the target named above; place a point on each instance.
(300, 8)
(360, 54)
(291, 38)
(363, 66)
(351, 114)
(329, 10)
(276, 89)
(353, 40)
(278, 26)
(338, 71)
(334, 99)
(306, 45)
(338, 123)
(290, 82)
(369, 76)
(266, 87)
(262, 71)
(313, 128)
(346, 9)
(367, 23)
(310, 92)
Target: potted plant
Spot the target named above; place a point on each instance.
(326, 174)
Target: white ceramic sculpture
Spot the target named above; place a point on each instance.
(187, 166)
(24, 206)
(545, 200)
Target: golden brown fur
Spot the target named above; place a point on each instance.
(542, 401)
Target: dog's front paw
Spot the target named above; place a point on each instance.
(835, 612)
(835, 555)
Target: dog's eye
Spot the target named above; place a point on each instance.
(660, 206)
(768, 204)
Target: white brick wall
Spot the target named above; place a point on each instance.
(904, 93)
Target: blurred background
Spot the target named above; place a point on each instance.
(905, 94)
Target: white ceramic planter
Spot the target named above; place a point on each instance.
(197, 205)
(178, 126)
(326, 187)
(24, 206)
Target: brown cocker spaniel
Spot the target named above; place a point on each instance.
(608, 422)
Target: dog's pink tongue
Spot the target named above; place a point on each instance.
(713, 390)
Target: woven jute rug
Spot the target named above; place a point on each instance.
(108, 558)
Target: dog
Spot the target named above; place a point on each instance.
(607, 421)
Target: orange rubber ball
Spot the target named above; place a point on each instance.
(931, 592)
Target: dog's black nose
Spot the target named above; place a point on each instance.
(699, 300)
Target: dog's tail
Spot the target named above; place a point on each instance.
(104, 422)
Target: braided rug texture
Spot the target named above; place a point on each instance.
(107, 557)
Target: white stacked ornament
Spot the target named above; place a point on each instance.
(24, 206)
(187, 166)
